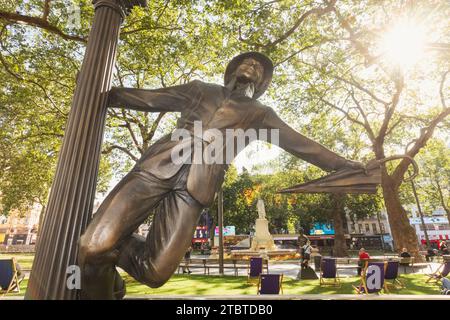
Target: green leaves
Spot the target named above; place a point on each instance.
(323, 84)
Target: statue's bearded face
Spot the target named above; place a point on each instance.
(250, 70)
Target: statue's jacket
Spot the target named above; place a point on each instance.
(215, 107)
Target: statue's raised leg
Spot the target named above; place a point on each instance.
(153, 260)
(109, 237)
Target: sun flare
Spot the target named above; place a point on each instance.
(404, 44)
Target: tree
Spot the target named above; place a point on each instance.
(350, 77)
(432, 184)
(329, 70)
(435, 164)
(239, 204)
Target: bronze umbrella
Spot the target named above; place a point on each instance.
(355, 181)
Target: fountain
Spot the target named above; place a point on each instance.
(262, 243)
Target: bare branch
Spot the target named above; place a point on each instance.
(361, 88)
(152, 130)
(46, 10)
(40, 23)
(390, 109)
(316, 11)
(346, 113)
(303, 49)
(393, 126)
(127, 125)
(425, 135)
(108, 149)
(363, 114)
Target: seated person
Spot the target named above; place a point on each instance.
(363, 257)
(404, 254)
(430, 253)
(444, 248)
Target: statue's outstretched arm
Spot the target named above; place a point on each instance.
(305, 148)
(175, 98)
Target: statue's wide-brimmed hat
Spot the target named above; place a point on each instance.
(261, 58)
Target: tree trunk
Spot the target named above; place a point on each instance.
(340, 246)
(403, 233)
(442, 199)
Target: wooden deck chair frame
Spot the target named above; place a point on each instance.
(363, 283)
(396, 283)
(336, 282)
(436, 276)
(15, 282)
(259, 284)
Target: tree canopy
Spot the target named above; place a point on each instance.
(366, 78)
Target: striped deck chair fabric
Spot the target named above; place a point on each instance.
(270, 284)
(9, 279)
(372, 278)
(328, 271)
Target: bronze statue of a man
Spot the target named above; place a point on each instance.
(177, 192)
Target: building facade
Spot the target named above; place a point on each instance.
(20, 227)
(372, 232)
(436, 225)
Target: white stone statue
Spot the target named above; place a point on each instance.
(261, 209)
(262, 238)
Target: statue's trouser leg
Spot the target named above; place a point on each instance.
(153, 260)
(125, 208)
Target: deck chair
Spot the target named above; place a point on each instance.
(9, 278)
(270, 284)
(441, 272)
(391, 275)
(255, 269)
(328, 271)
(372, 278)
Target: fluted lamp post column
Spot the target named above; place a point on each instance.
(71, 198)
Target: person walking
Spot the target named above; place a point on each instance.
(306, 255)
(187, 259)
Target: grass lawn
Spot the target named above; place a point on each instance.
(24, 259)
(215, 285)
(229, 285)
